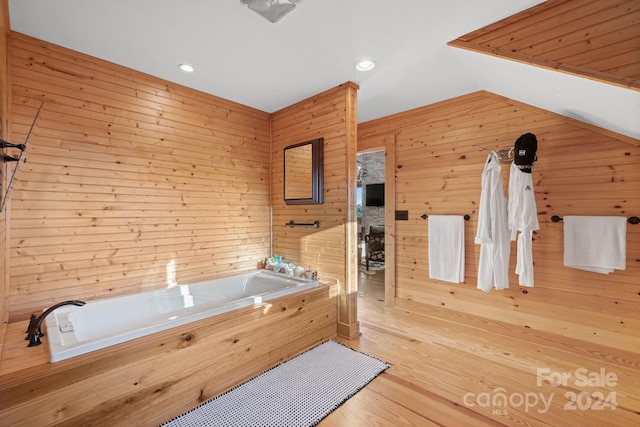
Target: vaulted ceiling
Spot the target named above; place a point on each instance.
(580, 58)
(599, 40)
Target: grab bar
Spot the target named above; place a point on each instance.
(425, 216)
(315, 224)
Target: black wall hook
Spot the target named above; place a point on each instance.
(6, 144)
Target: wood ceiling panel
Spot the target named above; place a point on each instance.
(596, 39)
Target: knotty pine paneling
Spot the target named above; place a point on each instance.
(5, 29)
(4, 134)
(130, 181)
(597, 39)
(440, 153)
(330, 115)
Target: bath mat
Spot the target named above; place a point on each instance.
(299, 392)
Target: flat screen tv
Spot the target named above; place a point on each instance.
(374, 195)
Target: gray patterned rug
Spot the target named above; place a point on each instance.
(373, 266)
(299, 392)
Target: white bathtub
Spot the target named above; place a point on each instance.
(72, 330)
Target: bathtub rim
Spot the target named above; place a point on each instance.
(59, 352)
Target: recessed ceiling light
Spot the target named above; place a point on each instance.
(365, 65)
(186, 67)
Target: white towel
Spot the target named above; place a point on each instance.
(446, 248)
(595, 243)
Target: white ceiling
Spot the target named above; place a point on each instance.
(240, 56)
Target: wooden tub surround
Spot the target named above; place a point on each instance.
(152, 379)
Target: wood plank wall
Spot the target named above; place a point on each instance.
(130, 181)
(330, 115)
(5, 29)
(4, 118)
(597, 39)
(440, 153)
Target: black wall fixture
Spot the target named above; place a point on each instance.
(22, 147)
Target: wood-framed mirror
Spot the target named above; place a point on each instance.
(304, 173)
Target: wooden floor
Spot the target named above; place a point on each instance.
(448, 369)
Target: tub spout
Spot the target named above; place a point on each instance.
(35, 323)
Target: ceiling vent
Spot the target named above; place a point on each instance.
(272, 10)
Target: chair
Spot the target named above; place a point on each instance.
(374, 244)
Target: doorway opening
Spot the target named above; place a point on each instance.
(370, 211)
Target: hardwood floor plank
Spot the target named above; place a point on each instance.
(450, 368)
(388, 412)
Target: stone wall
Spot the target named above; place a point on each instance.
(373, 163)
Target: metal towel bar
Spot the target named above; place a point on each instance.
(425, 216)
(315, 224)
(630, 220)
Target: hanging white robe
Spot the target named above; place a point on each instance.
(493, 232)
(523, 217)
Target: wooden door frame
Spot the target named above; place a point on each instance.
(386, 143)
